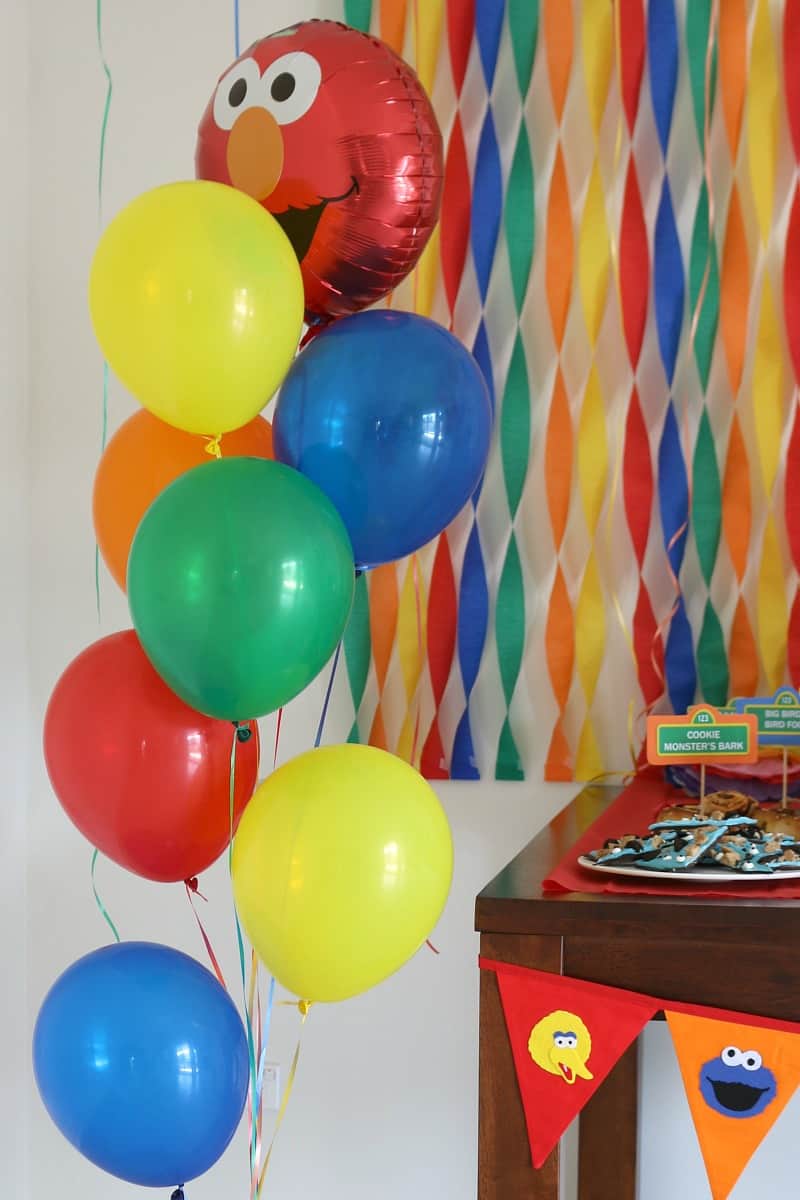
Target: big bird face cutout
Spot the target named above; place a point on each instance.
(335, 136)
(561, 1044)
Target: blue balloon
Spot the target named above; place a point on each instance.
(141, 1060)
(390, 416)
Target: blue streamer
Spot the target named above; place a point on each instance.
(487, 204)
(673, 490)
(473, 621)
(668, 283)
(679, 664)
(662, 47)
(489, 16)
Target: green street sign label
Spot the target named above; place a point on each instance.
(704, 734)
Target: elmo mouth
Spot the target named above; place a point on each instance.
(300, 224)
(736, 1097)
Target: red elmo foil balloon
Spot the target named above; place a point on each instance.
(334, 135)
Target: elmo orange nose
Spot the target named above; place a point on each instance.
(255, 153)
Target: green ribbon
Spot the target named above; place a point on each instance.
(698, 21)
(103, 910)
(358, 649)
(358, 13)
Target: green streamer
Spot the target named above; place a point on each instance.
(520, 217)
(358, 13)
(515, 425)
(706, 498)
(698, 21)
(510, 634)
(704, 264)
(104, 913)
(357, 649)
(523, 26)
(712, 665)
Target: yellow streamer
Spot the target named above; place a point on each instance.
(768, 388)
(427, 24)
(412, 633)
(597, 39)
(772, 608)
(426, 276)
(762, 117)
(590, 629)
(589, 763)
(592, 452)
(594, 256)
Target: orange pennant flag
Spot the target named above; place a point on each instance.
(738, 1080)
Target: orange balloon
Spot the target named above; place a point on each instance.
(143, 457)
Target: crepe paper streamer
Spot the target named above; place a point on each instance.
(706, 498)
(698, 31)
(793, 641)
(441, 622)
(632, 52)
(592, 452)
(560, 655)
(383, 604)
(428, 21)
(412, 637)
(662, 41)
(455, 218)
(704, 266)
(762, 117)
(460, 30)
(668, 283)
(634, 266)
(594, 256)
(392, 23)
(791, 282)
(597, 45)
(473, 619)
(733, 68)
(520, 217)
(673, 490)
(358, 649)
(104, 913)
(637, 474)
(734, 300)
(558, 39)
(767, 388)
(515, 426)
(523, 27)
(487, 204)
(559, 249)
(742, 653)
(489, 16)
(590, 629)
(510, 634)
(773, 614)
(558, 460)
(357, 13)
(712, 665)
(736, 500)
(792, 502)
(791, 76)
(649, 647)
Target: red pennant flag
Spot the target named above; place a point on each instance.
(738, 1079)
(565, 1035)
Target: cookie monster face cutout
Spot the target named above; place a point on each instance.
(737, 1084)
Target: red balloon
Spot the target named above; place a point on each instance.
(334, 135)
(144, 777)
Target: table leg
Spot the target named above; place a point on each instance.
(505, 1171)
(608, 1131)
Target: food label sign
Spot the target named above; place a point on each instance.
(778, 716)
(704, 734)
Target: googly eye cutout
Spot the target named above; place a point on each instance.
(289, 86)
(238, 90)
(751, 1060)
(732, 1056)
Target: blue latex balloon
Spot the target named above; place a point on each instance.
(141, 1060)
(390, 416)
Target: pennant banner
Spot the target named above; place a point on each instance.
(566, 1035)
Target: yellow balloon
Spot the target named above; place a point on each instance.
(341, 867)
(196, 299)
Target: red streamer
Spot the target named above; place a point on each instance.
(632, 47)
(637, 478)
(634, 267)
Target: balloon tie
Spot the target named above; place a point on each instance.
(103, 910)
(178, 1194)
(213, 447)
(243, 732)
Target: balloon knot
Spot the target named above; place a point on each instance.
(192, 884)
(243, 733)
(213, 446)
(304, 1007)
(178, 1194)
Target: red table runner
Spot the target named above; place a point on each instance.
(634, 809)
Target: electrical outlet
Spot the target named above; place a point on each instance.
(271, 1086)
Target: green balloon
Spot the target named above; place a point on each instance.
(240, 581)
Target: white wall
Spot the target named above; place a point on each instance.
(386, 1096)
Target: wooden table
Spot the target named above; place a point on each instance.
(735, 954)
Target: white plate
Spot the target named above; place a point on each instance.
(700, 875)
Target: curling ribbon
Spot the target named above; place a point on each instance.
(515, 411)
(104, 913)
(357, 650)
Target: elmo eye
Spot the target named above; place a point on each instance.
(751, 1060)
(291, 84)
(732, 1056)
(236, 91)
